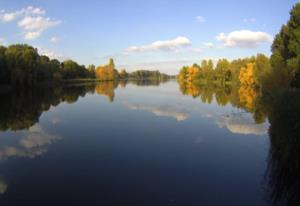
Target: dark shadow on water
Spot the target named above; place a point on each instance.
(21, 109)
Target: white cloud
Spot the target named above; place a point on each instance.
(37, 23)
(208, 45)
(244, 38)
(2, 41)
(11, 16)
(34, 26)
(54, 40)
(251, 20)
(167, 45)
(32, 35)
(32, 21)
(51, 54)
(200, 19)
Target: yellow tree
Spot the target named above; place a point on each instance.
(246, 76)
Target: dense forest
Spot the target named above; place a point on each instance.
(21, 66)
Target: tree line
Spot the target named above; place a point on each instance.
(21, 65)
(282, 69)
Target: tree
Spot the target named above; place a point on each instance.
(21, 61)
(4, 72)
(107, 72)
(123, 74)
(262, 68)
(222, 71)
(286, 45)
(92, 71)
(246, 76)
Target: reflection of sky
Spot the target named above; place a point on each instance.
(146, 132)
(28, 143)
(161, 111)
(167, 101)
(242, 123)
(163, 101)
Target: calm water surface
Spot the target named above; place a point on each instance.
(129, 145)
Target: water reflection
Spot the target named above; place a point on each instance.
(246, 98)
(29, 143)
(242, 123)
(240, 111)
(283, 173)
(3, 186)
(284, 158)
(22, 109)
(161, 111)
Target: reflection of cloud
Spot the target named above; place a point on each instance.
(56, 120)
(242, 124)
(33, 143)
(3, 187)
(161, 111)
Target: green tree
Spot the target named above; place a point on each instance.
(21, 61)
(286, 45)
(123, 74)
(4, 72)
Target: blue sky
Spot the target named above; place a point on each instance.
(155, 34)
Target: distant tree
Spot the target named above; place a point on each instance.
(107, 72)
(92, 71)
(111, 63)
(123, 74)
(222, 71)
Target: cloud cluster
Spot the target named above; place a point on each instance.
(32, 21)
(32, 143)
(51, 54)
(244, 38)
(11, 16)
(2, 41)
(167, 45)
(200, 19)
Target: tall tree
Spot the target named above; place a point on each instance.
(286, 45)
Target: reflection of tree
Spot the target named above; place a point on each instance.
(21, 109)
(107, 89)
(148, 82)
(248, 97)
(3, 186)
(284, 159)
(244, 97)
